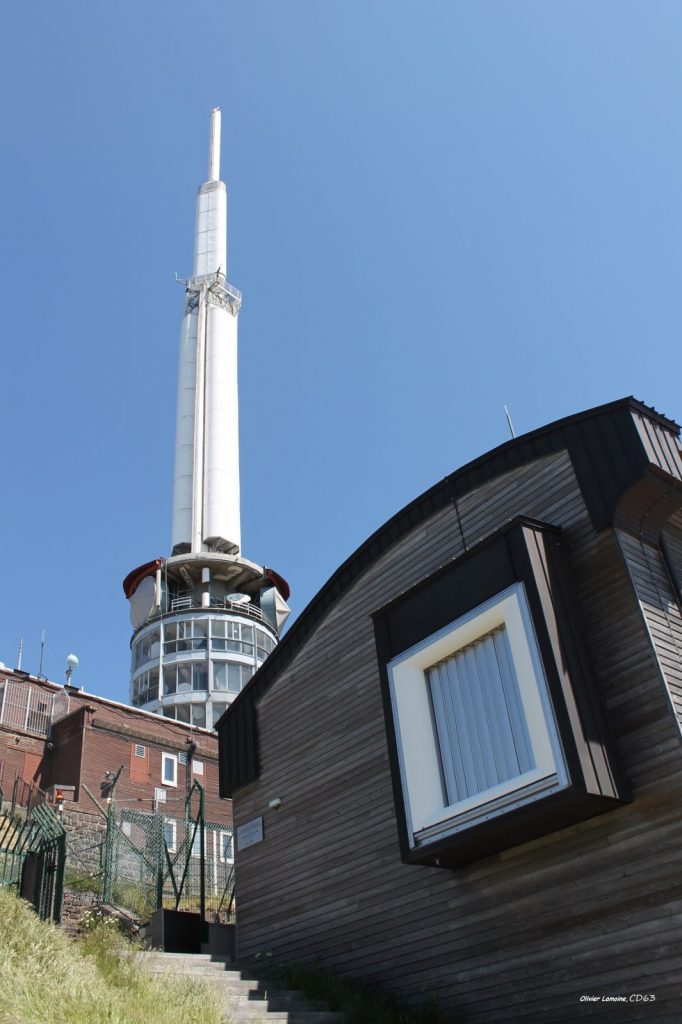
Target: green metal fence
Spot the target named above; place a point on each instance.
(32, 848)
(178, 861)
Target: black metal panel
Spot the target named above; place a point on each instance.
(176, 931)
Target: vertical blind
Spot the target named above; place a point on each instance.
(479, 717)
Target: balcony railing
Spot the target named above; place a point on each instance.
(185, 602)
(25, 707)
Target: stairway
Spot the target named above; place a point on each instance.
(244, 999)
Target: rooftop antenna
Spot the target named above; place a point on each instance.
(71, 665)
(509, 422)
(42, 654)
(21, 651)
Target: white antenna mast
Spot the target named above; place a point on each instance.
(214, 146)
(509, 422)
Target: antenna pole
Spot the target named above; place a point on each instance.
(42, 652)
(20, 654)
(509, 422)
(214, 147)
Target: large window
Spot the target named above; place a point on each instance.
(185, 677)
(230, 676)
(476, 726)
(232, 636)
(495, 728)
(219, 710)
(191, 714)
(265, 644)
(147, 648)
(146, 687)
(190, 635)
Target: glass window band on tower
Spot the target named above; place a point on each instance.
(178, 663)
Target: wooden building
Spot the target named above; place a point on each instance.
(459, 775)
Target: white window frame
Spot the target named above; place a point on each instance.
(173, 759)
(197, 767)
(225, 860)
(171, 847)
(428, 816)
(196, 842)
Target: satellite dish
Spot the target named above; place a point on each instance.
(143, 602)
(239, 598)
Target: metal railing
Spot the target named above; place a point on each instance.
(186, 602)
(32, 848)
(25, 707)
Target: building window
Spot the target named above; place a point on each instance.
(230, 676)
(198, 767)
(147, 648)
(475, 727)
(495, 727)
(200, 677)
(196, 842)
(190, 635)
(169, 769)
(185, 678)
(189, 714)
(227, 635)
(170, 834)
(146, 687)
(226, 847)
(218, 712)
(265, 644)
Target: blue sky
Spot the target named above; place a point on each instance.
(436, 208)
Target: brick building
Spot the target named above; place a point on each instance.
(59, 737)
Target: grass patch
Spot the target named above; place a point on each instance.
(360, 1003)
(48, 978)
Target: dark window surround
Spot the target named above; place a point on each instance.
(529, 552)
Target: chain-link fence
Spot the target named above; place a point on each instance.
(174, 860)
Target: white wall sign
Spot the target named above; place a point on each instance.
(250, 833)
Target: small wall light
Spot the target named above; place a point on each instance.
(275, 803)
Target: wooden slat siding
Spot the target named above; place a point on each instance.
(671, 545)
(328, 884)
(661, 444)
(660, 608)
(473, 920)
(609, 430)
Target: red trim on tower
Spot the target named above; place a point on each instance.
(134, 578)
(279, 581)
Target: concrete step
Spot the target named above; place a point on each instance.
(284, 1017)
(247, 1000)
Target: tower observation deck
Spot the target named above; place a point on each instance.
(204, 618)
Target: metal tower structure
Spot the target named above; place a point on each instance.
(205, 618)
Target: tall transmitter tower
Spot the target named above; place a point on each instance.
(205, 618)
